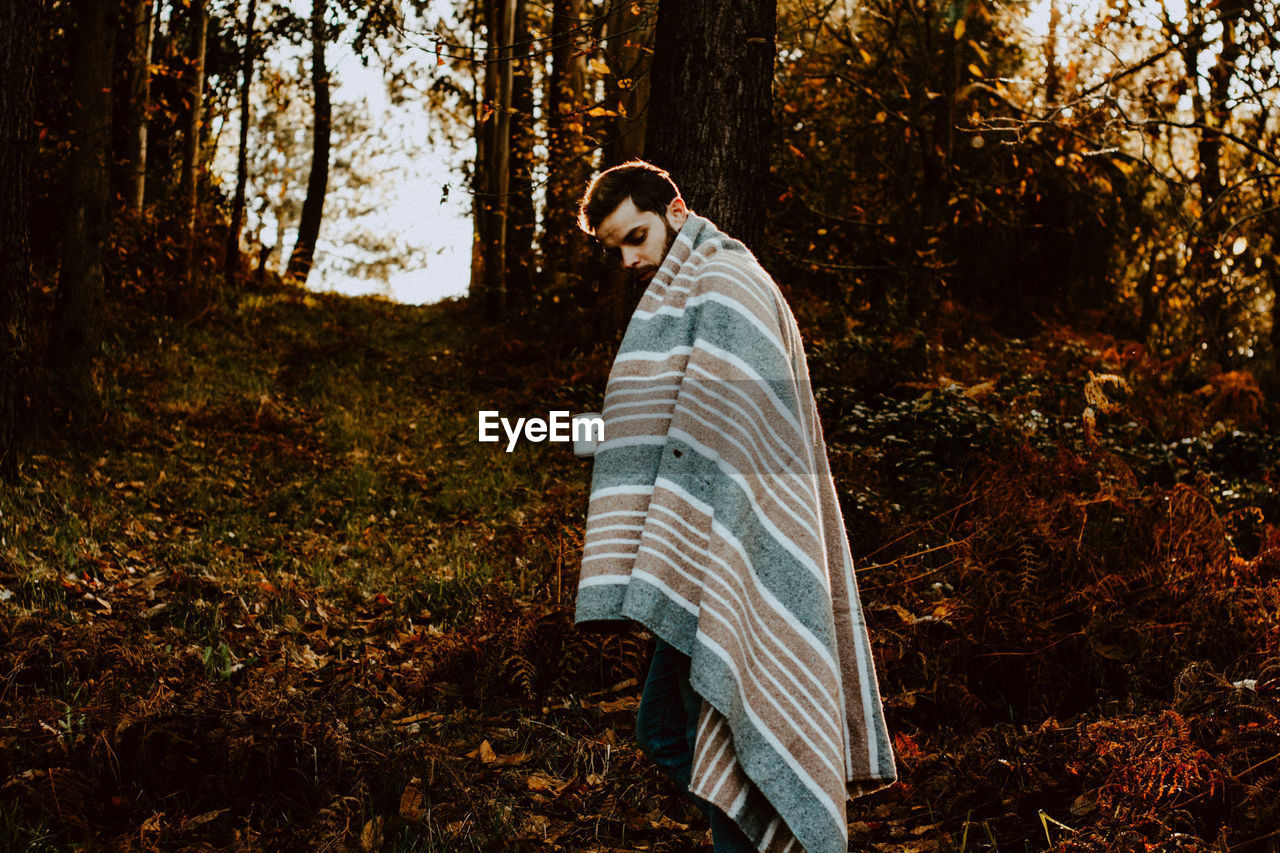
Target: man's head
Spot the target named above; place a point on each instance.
(634, 211)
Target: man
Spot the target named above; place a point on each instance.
(713, 522)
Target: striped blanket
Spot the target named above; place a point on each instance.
(713, 521)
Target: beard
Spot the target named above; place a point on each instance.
(645, 274)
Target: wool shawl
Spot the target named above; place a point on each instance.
(713, 521)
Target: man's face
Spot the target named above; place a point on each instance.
(640, 239)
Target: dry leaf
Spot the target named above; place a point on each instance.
(372, 836)
(484, 752)
(412, 801)
(539, 781)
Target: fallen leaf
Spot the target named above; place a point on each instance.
(484, 752)
(372, 836)
(540, 781)
(412, 801)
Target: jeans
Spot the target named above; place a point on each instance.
(667, 726)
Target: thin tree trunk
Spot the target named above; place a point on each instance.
(484, 12)
(232, 260)
(497, 262)
(1051, 82)
(567, 165)
(521, 262)
(187, 186)
(629, 47)
(135, 154)
(710, 106)
(318, 179)
(18, 19)
(76, 338)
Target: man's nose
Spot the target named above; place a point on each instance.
(630, 256)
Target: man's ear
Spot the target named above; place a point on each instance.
(677, 212)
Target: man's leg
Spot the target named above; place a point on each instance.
(661, 720)
(667, 729)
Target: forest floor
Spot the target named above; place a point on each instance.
(280, 598)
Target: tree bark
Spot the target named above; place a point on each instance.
(628, 46)
(497, 261)
(142, 26)
(563, 246)
(188, 185)
(710, 107)
(1051, 81)
(484, 14)
(232, 259)
(520, 261)
(318, 179)
(17, 116)
(75, 341)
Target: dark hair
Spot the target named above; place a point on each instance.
(650, 189)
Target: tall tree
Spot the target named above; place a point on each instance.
(492, 177)
(628, 50)
(134, 160)
(318, 179)
(76, 336)
(710, 106)
(522, 221)
(188, 183)
(232, 260)
(17, 114)
(567, 165)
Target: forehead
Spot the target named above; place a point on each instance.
(625, 217)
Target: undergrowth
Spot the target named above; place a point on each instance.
(282, 599)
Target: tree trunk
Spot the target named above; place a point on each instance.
(520, 261)
(187, 186)
(496, 264)
(142, 25)
(1051, 81)
(484, 13)
(629, 48)
(563, 246)
(17, 117)
(232, 260)
(710, 107)
(76, 337)
(318, 179)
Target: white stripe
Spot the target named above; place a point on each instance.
(603, 580)
(697, 367)
(640, 574)
(765, 521)
(757, 684)
(710, 726)
(611, 555)
(768, 834)
(755, 627)
(772, 600)
(733, 305)
(610, 491)
(649, 355)
(630, 441)
(808, 781)
(595, 543)
(725, 355)
(736, 805)
(615, 527)
(724, 776)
